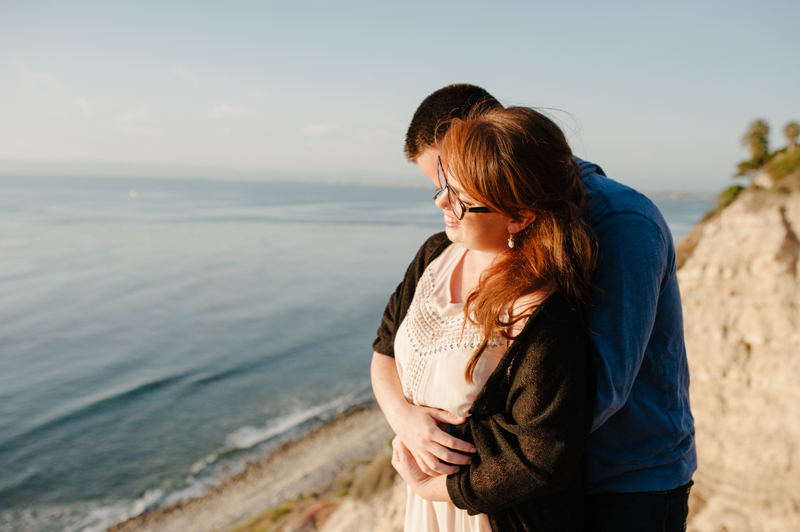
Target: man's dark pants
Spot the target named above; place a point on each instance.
(649, 511)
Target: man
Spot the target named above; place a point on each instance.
(641, 453)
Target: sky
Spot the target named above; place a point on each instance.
(657, 93)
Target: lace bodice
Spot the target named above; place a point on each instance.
(434, 344)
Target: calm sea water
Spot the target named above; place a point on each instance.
(157, 334)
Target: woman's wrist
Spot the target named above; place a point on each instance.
(435, 489)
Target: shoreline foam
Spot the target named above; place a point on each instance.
(311, 464)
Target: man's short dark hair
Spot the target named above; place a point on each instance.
(453, 101)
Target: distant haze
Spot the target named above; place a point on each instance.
(657, 94)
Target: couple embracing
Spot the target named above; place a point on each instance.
(531, 361)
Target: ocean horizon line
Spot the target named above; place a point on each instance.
(180, 173)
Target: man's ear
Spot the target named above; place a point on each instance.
(515, 226)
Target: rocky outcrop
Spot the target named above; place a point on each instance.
(740, 298)
(379, 511)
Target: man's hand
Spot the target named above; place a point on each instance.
(418, 426)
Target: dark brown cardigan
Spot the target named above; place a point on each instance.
(530, 421)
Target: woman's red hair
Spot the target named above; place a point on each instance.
(517, 160)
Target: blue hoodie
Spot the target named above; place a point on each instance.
(643, 432)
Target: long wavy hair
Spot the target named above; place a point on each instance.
(517, 160)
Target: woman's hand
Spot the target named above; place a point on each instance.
(429, 487)
(418, 426)
(427, 442)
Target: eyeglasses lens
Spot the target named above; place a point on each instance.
(455, 204)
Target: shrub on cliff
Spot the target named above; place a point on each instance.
(784, 164)
(723, 200)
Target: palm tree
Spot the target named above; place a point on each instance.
(792, 131)
(756, 139)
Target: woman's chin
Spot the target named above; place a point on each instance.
(452, 233)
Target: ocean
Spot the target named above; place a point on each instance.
(156, 335)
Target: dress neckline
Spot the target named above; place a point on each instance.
(443, 293)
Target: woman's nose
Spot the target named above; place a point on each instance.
(441, 200)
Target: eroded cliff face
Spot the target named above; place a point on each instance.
(740, 300)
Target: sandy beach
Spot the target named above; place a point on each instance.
(312, 465)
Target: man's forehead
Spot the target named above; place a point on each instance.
(431, 152)
(428, 162)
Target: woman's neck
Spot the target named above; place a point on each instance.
(467, 273)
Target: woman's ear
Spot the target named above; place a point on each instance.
(515, 226)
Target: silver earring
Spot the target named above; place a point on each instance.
(511, 240)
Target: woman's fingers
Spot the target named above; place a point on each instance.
(440, 460)
(444, 439)
(443, 454)
(447, 442)
(396, 458)
(445, 417)
(433, 466)
(429, 464)
(405, 464)
(421, 433)
(404, 455)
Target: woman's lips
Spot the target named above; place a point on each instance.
(449, 221)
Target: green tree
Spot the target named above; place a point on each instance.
(756, 139)
(792, 131)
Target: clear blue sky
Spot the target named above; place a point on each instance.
(658, 93)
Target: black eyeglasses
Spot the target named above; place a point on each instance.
(456, 205)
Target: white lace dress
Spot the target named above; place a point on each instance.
(431, 355)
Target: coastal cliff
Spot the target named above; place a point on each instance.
(740, 300)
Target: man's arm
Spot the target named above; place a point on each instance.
(632, 263)
(417, 426)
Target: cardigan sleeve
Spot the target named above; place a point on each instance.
(401, 299)
(530, 440)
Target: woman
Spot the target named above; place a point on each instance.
(486, 325)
